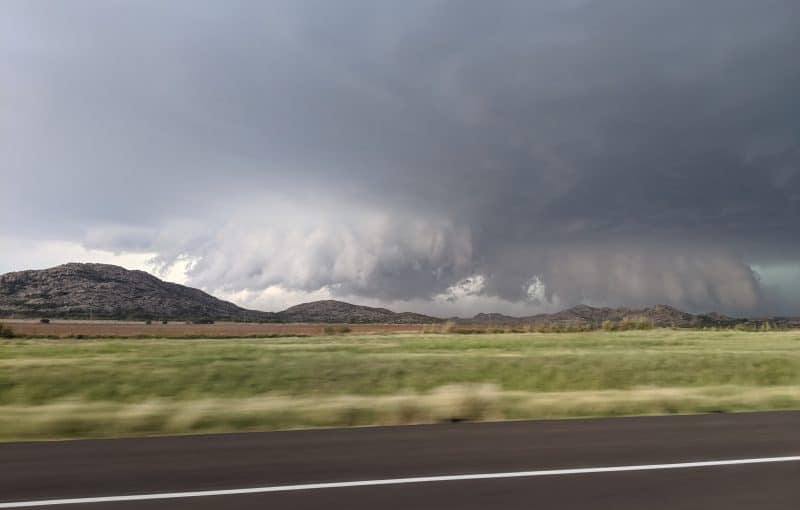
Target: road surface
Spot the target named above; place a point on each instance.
(748, 461)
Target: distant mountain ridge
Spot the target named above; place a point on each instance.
(103, 291)
(659, 315)
(339, 311)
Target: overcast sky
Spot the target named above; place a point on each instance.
(443, 157)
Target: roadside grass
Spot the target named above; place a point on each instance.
(105, 388)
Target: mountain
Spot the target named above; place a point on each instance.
(660, 315)
(338, 311)
(103, 291)
(492, 318)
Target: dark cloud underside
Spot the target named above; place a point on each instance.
(617, 152)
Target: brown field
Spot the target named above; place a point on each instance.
(177, 329)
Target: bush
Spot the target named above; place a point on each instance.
(165, 322)
(448, 327)
(609, 326)
(148, 322)
(6, 331)
(336, 330)
(44, 321)
(756, 327)
(630, 324)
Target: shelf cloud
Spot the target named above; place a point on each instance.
(434, 155)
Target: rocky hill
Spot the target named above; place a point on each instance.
(338, 311)
(660, 315)
(102, 291)
(492, 318)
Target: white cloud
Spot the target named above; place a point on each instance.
(471, 286)
(311, 246)
(20, 254)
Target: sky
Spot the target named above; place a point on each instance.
(432, 156)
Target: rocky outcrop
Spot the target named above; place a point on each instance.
(493, 318)
(102, 291)
(659, 315)
(338, 311)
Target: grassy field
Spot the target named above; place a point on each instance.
(104, 388)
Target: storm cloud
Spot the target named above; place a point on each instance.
(432, 155)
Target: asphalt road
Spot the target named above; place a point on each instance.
(80, 469)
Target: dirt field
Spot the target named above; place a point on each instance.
(110, 329)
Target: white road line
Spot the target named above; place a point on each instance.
(394, 481)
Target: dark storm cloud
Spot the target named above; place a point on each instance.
(620, 152)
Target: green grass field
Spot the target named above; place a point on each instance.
(104, 388)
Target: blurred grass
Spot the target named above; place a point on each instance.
(97, 388)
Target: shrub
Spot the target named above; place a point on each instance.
(165, 322)
(44, 321)
(6, 331)
(755, 327)
(609, 325)
(336, 330)
(448, 327)
(630, 324)
(148, 322)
